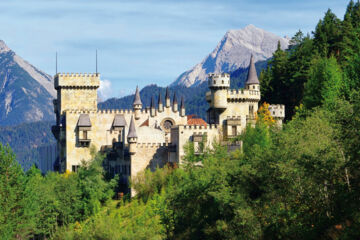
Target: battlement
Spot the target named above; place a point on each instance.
(77, 80)
(151, 145)
(219, 80)
(192, 127)
(235, 94)
(115, 111)
(277, 110)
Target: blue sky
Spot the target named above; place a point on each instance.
(142, 42)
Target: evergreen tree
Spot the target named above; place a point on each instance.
(11, 195)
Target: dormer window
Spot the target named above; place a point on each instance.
(119, 122)
(83, 129)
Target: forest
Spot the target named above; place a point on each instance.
(301, 181)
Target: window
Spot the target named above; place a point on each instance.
(253, 87)
(75, 168)
(233, 130)
(84, 135)
(251, 110)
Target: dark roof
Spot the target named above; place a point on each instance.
(119, 121)
(167, 94)
(175, 99)
(132, 131)
(152, 104)
(160, 99)
(137, 99)
(84, 121)
(252, 75)
(182, 104)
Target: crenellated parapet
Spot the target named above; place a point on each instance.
(277, 111)
(77, 80)
(152, 145)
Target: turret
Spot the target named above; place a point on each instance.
(252, 82)
(182, 107)
(137, 104)
(175, 104)
(132, 137)
(167, 98)
(219, 85)
(160, 103)
(152, 107)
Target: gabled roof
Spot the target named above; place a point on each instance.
(252, 75)
(119, 121)
(132, 131)
(137, 100)
(84, 121)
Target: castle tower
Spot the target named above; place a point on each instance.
(132, 137)
(219, 85)
(137, 104)
(175, 103)
(252, 82)
(74, 92)
(160, 103)
(152, 107)
(167, 98)
(182, 107)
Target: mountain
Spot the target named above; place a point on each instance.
(26, 93)
(233, 52)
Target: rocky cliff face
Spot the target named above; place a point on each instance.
(233, 52)
(26, 93)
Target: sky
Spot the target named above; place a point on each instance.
(142, 42)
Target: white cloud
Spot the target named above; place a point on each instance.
(105, 90)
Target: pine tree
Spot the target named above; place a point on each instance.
(11, 195)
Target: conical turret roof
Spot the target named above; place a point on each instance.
(160, 99)
(175, 99)
(137, 100)
(182, 104)
(252, 75)
(152, 104)
(132, 131)
(167, 94)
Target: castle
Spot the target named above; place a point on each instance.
(136, 139)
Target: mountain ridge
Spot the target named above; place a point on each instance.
(233, 52)
(26, 93)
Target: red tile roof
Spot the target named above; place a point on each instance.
(194, 120)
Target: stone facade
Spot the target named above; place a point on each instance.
(136, 139)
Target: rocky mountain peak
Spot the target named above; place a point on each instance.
(3, 47)
(232, 52)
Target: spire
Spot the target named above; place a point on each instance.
(132, 131)
(137, 100)
(152, 104)
(167, 94)
(160, 100)
(252, 75)
(182, 105)
(174, 99)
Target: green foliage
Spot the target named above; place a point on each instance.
(33, 205)
(11, 194)
(324, 84)
(134, 220)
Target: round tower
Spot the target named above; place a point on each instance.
(132, 137)
(137, 104)
(219, 85)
